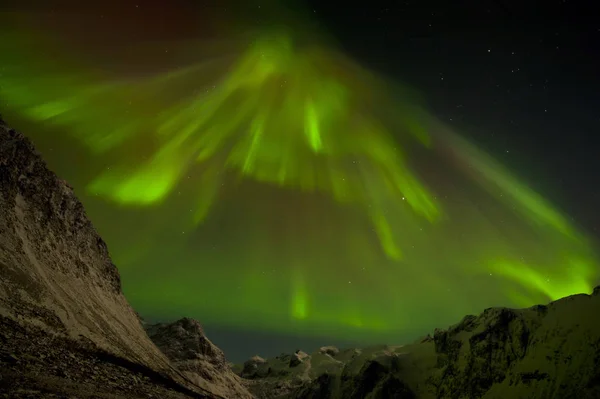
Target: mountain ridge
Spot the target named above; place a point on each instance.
(59, 284)
(545, 351)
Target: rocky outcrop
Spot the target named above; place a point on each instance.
(329, 350)
(298, 358)
(59, 287)
(548, 351)
(252, 368)
(192, 353)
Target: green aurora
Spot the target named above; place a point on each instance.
(277, 185)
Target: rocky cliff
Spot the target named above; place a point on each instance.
(64, 322)
(548, 351)
(191, 352)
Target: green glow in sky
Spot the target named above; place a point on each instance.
(287, 188)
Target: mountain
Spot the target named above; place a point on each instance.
(545, 352)
(65, 326)
(191, 352)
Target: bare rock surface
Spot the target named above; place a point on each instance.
(548, 351)
(61, 294)
(38, 364)
(191, 352)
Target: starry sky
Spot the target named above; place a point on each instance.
(314, 174)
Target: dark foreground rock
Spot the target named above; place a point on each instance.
(544, 352)
(65, 323)
(36, 364)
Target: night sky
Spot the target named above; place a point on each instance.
(317, 174)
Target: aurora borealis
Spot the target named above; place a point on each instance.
(262, 179)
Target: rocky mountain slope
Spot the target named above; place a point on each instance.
(65, 325)
(545, 352)
(192, 353)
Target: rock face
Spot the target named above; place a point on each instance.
(191, 352)
(60, 293)
(548, 351)
(329, 350)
